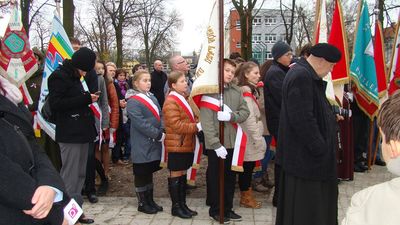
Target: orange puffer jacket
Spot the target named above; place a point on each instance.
(113, 102)
(180, 131)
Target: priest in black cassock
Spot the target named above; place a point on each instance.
(308, 188)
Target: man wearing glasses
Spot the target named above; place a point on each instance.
(178, 63)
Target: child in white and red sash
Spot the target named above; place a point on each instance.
(210, 118)
(147, 134)
(180, 127)
(248, 75)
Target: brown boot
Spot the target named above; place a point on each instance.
(258, 186)
(266, 181)
(247, 200)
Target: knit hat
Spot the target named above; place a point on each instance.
(279, 49)
(329, 52)
(84, 59)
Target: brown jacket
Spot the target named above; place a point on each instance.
(114, 105)
(180, 131)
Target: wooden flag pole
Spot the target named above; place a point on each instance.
(378, 140)
(221, 124)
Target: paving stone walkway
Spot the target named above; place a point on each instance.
(123, 210)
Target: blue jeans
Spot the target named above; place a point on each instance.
(265, 160)
(127, 150)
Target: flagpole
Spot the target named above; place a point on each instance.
(221, 93)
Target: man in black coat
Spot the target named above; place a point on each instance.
(69, 99)
(273, 81)
(158, 80)
(307, 142)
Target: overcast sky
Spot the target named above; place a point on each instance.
(195, 15)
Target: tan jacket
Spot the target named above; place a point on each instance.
(261, 103)
(179, 129)
(253, 127)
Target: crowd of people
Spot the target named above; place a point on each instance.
(98, 107)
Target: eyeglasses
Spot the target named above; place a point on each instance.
(289, 54)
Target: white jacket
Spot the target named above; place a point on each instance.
(375, 205)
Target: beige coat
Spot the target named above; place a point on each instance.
(254, 129)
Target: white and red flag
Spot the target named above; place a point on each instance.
(394, 75)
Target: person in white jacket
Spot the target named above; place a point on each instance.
(379, 204)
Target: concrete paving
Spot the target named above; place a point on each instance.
(123, 210)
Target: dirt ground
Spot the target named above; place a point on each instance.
(121, 183)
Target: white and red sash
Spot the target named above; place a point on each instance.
(241, 138)
(191, 173)
(149, 104)
(96, 111)
(146, 101)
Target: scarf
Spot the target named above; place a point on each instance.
(122, 86)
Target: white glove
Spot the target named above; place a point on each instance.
(350, 113)
(223, 116)
(221, 152)
(162, 137)
(198, 125)
(350, 96)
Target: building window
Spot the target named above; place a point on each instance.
(237, 24)
(257, 21)
(258, 56)
(238, 45)
(270, 38)
(270, 20)
(268, 55)
(256, 38)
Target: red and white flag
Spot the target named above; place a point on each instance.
(394, 75)
(338, 38)
(379, 58)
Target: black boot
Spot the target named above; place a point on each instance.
(150, 200)
(143, 205)
(176, 209)
(182, 197)
(103, 188)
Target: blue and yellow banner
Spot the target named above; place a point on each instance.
(59, 49)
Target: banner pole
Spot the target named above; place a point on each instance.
(221, 94)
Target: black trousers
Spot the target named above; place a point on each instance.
(90, 170)
(213, 182)
(246, 176)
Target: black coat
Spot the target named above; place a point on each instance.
(158, 80)
(273, 81)
(23, 168)
(73, 118)
(307, 126)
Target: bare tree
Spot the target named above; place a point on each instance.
(156, 28)
(288, 23)
(41, 28)
(121, 13)
(305, 26)
(68, 17)
(99, 34)
(246, 24)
